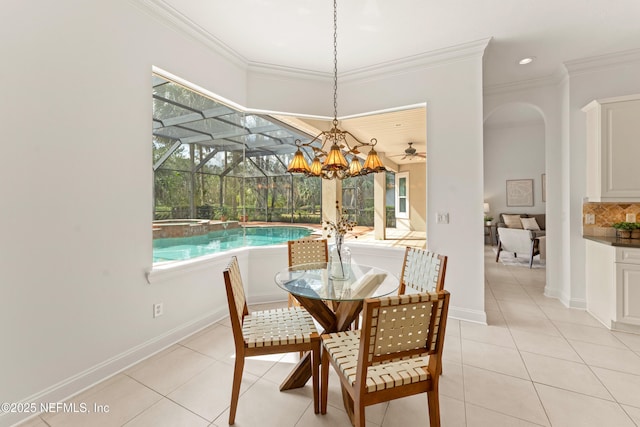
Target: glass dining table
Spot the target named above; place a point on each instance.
(334, 304)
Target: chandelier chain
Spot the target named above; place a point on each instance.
(335, 165)
(335, 63)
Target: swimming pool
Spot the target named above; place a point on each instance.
(182, 248)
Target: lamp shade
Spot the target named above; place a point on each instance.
(298, 163)
(355, 167)
(373, 163)
(335, 160)
(316, 167)
(486, 207)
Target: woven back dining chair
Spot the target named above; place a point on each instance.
(306, 251)
(422, 271)
(257, 333)
(397, 353)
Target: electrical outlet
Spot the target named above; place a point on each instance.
(589, 219)
(442, 218)
(158, 310)
(631, 217)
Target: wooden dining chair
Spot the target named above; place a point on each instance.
(267, 332)
(422, 271)
(397, 353)
(306, 251)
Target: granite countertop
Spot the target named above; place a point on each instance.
(615, 241)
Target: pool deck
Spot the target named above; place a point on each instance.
(395, 237)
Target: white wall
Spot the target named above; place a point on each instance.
(452, 90)
(77, 185)
(513, 151)
(77, 191)
(453, 93)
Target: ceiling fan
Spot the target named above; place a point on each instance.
(411, 153)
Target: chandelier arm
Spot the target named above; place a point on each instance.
(318, 137)
(361, 143)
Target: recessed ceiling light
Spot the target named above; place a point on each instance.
(527, 60)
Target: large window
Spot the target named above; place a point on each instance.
(211, 161)
(218, 167)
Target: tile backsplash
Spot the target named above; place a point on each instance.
(605, 215)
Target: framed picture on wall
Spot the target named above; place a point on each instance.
(520, 192)
(544, 187)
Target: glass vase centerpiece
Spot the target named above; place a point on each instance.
(339, 254)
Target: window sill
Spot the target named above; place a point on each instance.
(172, 269)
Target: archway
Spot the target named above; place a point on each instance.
(514, 154)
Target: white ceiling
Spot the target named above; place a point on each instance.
(298, 34)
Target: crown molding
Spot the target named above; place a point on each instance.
(168, 15)
(429, 59)
(165, 13)
(567, 70)
(402, 65)
(284, 71)
(602, 62)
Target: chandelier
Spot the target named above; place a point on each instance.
(334, 165)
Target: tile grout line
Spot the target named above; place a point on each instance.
(566, 339)
(546, 413)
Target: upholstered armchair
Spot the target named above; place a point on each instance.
(518, 241)
(508, 220)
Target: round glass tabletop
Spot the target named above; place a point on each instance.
(313, 281)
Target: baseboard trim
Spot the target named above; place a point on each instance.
(551, 293)
(474, 316)
(566, 300)
(266, 298)
(578, 303)
(88, 378)
(624, 327)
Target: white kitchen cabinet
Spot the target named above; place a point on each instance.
(613, 285)
(613, 149)
(628, 293)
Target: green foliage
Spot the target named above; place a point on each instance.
(162, 212)
(298, 218)
(626, 225)
(225, 185)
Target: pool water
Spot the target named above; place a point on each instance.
(182, 248)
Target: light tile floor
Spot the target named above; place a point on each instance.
(537, 363)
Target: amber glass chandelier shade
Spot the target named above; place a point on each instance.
(298, 163)
(373, 163)
(316, 167)
(355, 167)
(335, 160)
